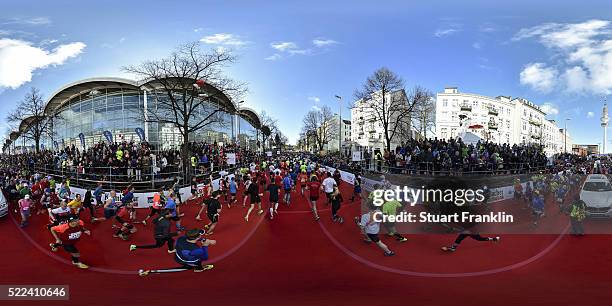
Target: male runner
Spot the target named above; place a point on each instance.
(213, 209)
(371, 228)
(287, 186)
(67, 235)
(124, 217)
(233, 189)
(161, 233)
(255, 196)
(314, 187)
(188, 254)
(274, 191)
(159, 200)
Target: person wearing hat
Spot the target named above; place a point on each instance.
(191, 251)
(67, 235)
(24, 209)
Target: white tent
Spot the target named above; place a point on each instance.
(469, 138)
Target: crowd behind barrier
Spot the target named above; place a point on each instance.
(124, 163)
(452, 157)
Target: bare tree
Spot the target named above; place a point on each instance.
(31, 112)
(271, 128)
(180, 103)
(424, 111)
(320, 123)
(383, 95)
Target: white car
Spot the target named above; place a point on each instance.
(596, 193)
(3, 205)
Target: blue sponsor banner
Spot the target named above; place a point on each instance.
(82, 138)
(140, 133)
(109, 136)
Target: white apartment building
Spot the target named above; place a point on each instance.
(334, 141)
(368, 133)
(501, 119)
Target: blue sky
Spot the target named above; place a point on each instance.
(296, 55)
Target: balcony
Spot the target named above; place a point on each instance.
(493, 112)
(493, 126)
(466, 107)
(536, 136)
(534, 122)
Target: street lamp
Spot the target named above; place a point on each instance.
(340, 124)
(565, 134)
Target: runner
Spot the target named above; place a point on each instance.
(287, 186)
(314, 187)
(88, 203)
(159, 200)
(124, 217)
(247, 183)
(357, 188)
(24, 210)
(188, 254)
(76, 205)
(213, 210)
(59, 214)
(67, 235)
(161, 233)
(303, 181)
(336, 200)
(233, 189)
(175, 211)
(467, 233)
(273, 189)
(255, 196)
(329, 185)
(110, 207)
(371, 228)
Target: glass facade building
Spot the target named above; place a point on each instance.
(94, 106)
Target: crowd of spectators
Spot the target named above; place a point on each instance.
(124, 161)
(449, 157)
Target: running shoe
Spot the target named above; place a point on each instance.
(132, 247)
(390, 253)
(206, 267)
(260, 212)
(80, 265)
(143, 272)
(53, 248)
(496, 239)
(144, 222)
(403, 239)
(449, 249)
(171, 251)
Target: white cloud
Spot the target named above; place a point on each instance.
(539, 77)
(323, 42)
(122, 40)
(287, 47)
(223, 39)
(273, 57)
(19, 59)
(584, 52)
(316, 108)
(445, 32)
(550, 109)
(477, 45)
(590, 114)
(283, 45)
(314, 99)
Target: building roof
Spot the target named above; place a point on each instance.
(250, 116)
(69, 91)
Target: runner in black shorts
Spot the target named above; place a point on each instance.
(213, 209)
(255, 199)
(67, 235)
(314, 187)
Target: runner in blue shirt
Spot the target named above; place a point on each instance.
(233, 189)
(287, 185)
(174, 211)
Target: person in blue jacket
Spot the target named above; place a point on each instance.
(537, 206)
(191, 251)
(287, 186)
